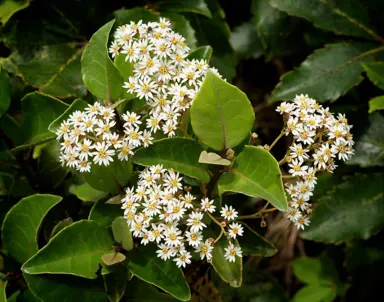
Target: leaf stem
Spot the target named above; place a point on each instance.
(276, 140)
(219, 224)
(117, 103)
(259, 213)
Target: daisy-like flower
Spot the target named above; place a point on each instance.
(205, 250)
(193, 238)
(172, 181)
(183, 258)
(231, 252)
(298, 152)
(207, 205)
(195, 221)
(228, 213)
(301, 222)
(164, 252)
(103, 155)
(235, 229)
(297, 168)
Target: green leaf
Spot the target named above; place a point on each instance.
(100, 75)
(113, 258)
(376, 103)
(201, 53)
(3, 285)
(315, 293)
(13, 297)
(51, 172)
(112, 178)
(10, 7)
(307, 270)
(254, 244)
(180, 154)
(39, 110)
(122, 233)
(375, 73)
(369, 148)
(255, 173)
(104, 214)
(54, 70)
(125, 67)
(116, 282)
(337, 216)
(343, 18)
(273, 28)
(5, 92)
(140, 291)
(221, 114)
(327, 74)
(61, 225)
(53, 288)
(125, 16)
(21, 225)
(184, 6)
(76, 250)
(230, 272)
(86, 193)
(164, 274)
(78, 104)
(11, 129)
(245, 41)
(27, 296)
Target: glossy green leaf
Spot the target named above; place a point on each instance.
(53, 288)
(230, 272)
(125, 16)
(13, 297)
(11, 129)
(86, 193)
(5, 92)
(254, 244)
(221, 114)
(27, 296)
(112, 178)
(10, 7)
(112, 258)
(78, 104)
(184, 6)
(116, 282)
(273, 28)
(180, 154)
(122, 233)
(327, 74)
(88, 242)
(308, 270)
(125, 67)
(375, 73)
(164, 274)
(369, 148)
(39, 110)
(343, 18)
(246, 42)
(201, 53)
(140, 291)
(3, 285)
(61, 225)
(376, 103)
(51, 172)
(54, 70)
(256, 173)
(22, 223)
(104, 214)
(100, 75)
(337, 216)
(315, 293)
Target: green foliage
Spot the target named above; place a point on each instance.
(259, 180)
(89, 241)
(375, 72)
(337, 216)
(221, 114)
(18, 229)
(5, 92)
(103, 213)
(337, 67)
(376, 103)
(179, 154)
(122, 233)
(166, 275)
(100, 75)
(10, 7)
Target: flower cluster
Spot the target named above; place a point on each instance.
(161, 211)
(161, 73)
(319, 138)
(91, 136)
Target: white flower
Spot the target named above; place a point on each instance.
(125, 151)
(299, 152)
(228, 213)
(296, 168)
(193, 238)
(164, 252)
(102, 155)
(132, 119)
(235, 230)
(205, 250)
(183, 258)
(195, 221)
(207, 205)
(301, 222)
(84, 148)
(172, 236)
(84, 166)
(231, 252)
(145, 88)
(172, 181)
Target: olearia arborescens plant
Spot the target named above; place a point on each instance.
(159, 208)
